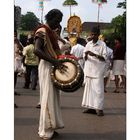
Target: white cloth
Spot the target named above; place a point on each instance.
(50, 113)
(93, 96)
(125, 68)
(18, 64)
(77, 50)
(17, 59)
(108, 61)
(118, 67)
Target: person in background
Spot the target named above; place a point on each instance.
(77, 51)
(124, 84)
(30, 61)
(17, 60)
(64, 44)
(108, 60)
(118, 63)
(95, 55)
(108, 64)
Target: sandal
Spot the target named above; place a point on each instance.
(38, 106)
(116, 91)
(105, 91)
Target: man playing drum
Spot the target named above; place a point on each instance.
(95, 55)
(47, 49)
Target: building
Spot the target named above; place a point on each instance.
(17, 17)
(87, 26)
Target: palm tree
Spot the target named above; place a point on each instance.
(70, 3)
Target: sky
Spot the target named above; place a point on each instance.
(86, 10)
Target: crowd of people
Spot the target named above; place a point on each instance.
(94, 55)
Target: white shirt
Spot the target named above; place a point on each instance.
(93, 66)
(77, 50)
(109, 53)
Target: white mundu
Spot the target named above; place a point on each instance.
(93, 96)
(50, 113)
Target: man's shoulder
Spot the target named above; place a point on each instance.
(101, 43)
(40, 32)
(42, 29)
(26, 48)
(89, 44)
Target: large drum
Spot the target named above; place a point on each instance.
(71, 79)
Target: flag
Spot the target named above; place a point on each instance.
(99, 1)
(41, 4)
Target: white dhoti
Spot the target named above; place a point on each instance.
(93, 93)
(50, 113)
(107, 70)
(118, 67)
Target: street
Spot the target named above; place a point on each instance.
(78, 125)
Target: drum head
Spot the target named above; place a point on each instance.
(70, 80)
(68, 75)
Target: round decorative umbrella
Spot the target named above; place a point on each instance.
(70, 3)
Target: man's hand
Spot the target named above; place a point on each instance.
(88, 53)
(60, 66)
(101, 58)
(93, 54)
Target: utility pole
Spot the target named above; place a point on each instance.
(98, 17)
(42, 12)
(41, 7)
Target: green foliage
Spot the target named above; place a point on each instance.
(119, 23)
(118, 27)
(29, 21)
(23, 39)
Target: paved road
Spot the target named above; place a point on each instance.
(78, 126)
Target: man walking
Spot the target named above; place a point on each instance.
(95, 55)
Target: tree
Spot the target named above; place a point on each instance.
(29, 21)
(119, 23)
(70, 3)
(123, 6)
